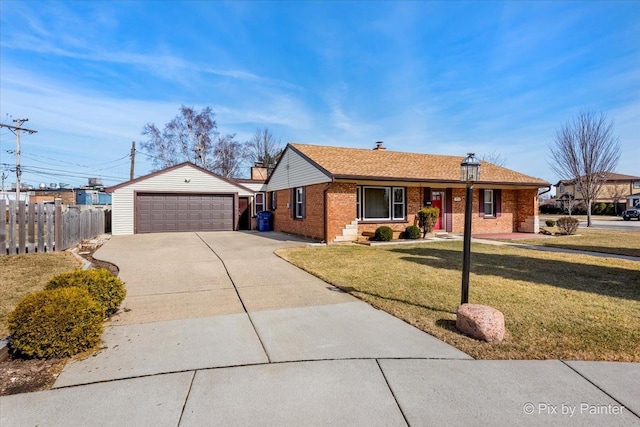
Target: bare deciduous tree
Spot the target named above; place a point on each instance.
(495, 158)
(227, 156)
(585, 150)
(193, 136)
(568, 202)
(190, 136)
(263, 148)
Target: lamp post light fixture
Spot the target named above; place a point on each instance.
(470, 173)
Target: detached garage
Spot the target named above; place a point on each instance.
(184, 197)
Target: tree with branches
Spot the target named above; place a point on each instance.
(617, 193)
(228, 154)
(189, 136)
(192, 136)
(495, 158)
(263, 148)
(585, 150)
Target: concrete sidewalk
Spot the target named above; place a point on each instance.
(491, 241)
(222, 332)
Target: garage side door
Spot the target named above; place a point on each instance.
(162, 212)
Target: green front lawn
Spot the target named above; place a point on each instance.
(620, 242)
(556, 306)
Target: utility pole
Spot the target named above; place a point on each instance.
(133, 159)
(17, 130)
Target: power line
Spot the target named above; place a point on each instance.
(77, 174)
(30, 156)
(70, 163)
(70, 173)
(148, 155)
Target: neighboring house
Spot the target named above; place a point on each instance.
(633, 200)
(336, 194)
(184, 197)
(92, 197)
(616, 189)
(92, 194)
(67, 195)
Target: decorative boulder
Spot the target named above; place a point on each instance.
(480, 322)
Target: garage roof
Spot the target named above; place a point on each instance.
(178, 166)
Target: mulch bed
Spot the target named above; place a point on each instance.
(24, 376)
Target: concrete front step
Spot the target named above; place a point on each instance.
(345, 239)
(350, 232)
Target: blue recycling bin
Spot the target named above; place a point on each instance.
(264, 221)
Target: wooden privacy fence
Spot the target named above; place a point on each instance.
(44, 227)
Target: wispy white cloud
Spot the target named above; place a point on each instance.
(40, 36)
(90, 124)
(427, 77)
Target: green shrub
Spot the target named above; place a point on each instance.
(383, 234)
(412, 232)
(427, 218)
(55, 323)
(598, 208)
(550, 223)
(103, 286)
(610, 210)
(567, 225)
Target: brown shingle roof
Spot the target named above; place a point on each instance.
(341, 162)
(612, 177)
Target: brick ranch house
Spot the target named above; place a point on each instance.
(336, 194)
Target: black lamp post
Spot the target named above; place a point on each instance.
(470, 173)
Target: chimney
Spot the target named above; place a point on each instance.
(259, 172)
(379, 146)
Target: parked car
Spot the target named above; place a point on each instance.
(631, 213)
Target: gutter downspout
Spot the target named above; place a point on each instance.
(540, 194)
(545, 192)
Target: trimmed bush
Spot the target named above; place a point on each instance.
(412, 232)
(567, 225)
(55, 323)
(427, 218)
(383, 234)
(103, 286)
(550, 223)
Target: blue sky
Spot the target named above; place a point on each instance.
(432, 77)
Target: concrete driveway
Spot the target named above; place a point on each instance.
(217, 330)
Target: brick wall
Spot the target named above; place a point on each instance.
(526, 211)
(68, 196)
(519, 212)
(341, 208)
(313, 224)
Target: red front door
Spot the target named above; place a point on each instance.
(436, 202)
